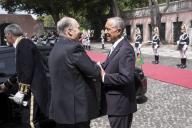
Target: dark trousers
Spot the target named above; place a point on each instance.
(5, 107)
(78, 125)
(31, 114)
(121, 121)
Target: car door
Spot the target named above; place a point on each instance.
(7, 63)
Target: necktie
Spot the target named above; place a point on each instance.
(112, 48)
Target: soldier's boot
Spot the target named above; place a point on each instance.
(157, 59)
(179, 65)
(184, 63)
(89, 47)
(154, 60)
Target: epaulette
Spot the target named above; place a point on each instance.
(24, 88)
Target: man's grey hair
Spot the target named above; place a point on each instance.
(14, 29)
(64, 24)
(117, 22)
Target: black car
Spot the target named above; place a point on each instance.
(8, 109)
(140, 85)
(7, 60)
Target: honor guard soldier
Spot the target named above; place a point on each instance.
(156, 45)
(183, 43)
(138, 42)
(88, 39)
(103, 38)
(30, 78)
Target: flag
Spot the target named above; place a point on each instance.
(139, 60)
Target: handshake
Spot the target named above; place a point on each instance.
(102, 71)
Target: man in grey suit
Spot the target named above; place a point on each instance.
(118, 76)
(73, 73)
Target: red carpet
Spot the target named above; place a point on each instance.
(97, 56)
(166, 74)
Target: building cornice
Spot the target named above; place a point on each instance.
(173, 7)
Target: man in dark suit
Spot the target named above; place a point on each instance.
(73, 94)
(30, 77)
(118, 76)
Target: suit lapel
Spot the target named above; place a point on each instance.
(113, 54)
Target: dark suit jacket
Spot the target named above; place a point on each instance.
(30, 70)
(119, 80)
(73, 95)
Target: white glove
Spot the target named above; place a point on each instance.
(18, 97)
(156, 46)
(140, 45)
(99, 63)
(177, 42)
(185, 47)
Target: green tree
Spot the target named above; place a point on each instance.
(39, 7)
(91, 14)
(47, 20)
(97, 11)
(156, 14)
(131, 4)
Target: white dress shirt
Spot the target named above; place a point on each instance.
(112, 48)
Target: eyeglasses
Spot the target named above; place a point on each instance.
(113, 29)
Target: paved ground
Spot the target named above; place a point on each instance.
(168, 106)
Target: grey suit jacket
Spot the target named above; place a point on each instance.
(119, 80)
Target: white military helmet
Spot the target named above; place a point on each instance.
(156, 30)
(138, 31)
(184, 27)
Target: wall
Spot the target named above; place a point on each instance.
(27, 23)
(180, 11)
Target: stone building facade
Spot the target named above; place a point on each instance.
(178, 12)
